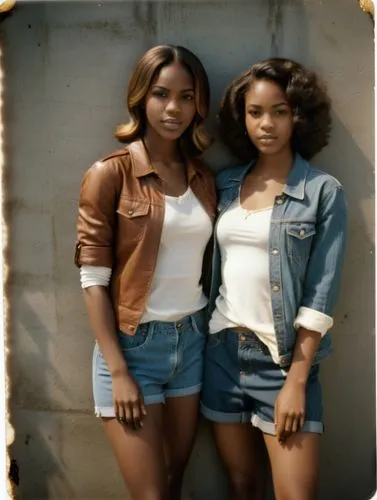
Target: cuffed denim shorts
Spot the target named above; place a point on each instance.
(241, 383)
(165, 358)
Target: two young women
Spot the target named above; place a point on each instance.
(146, 216)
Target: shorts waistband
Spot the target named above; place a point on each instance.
(250, 338)
(178, 322)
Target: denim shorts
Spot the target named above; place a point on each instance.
(165, 358)
(241, 383)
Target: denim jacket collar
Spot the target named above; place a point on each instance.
(295, 186)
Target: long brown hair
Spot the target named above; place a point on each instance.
(195, 139)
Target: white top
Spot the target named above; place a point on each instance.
(94, 275)
(244, 296)
(175, 290)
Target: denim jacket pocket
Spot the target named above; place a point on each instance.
(300, 236)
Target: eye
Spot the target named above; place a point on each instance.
(254, 113)
(160, 93)
(282, 112)
(188, 97)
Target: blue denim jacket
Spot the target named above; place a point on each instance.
(306, 244)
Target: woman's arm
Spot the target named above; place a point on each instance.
(320, 293)
(101, 317)
(290, 403)
(96, 222)
(128, 401)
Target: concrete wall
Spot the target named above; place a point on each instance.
(66, 66)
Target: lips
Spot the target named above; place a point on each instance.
(267, 139)
(172, 120)
(171, 124)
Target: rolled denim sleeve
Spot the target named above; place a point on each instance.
(96, 217)
(323, 276)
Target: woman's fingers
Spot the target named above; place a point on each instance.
(289, 419)
(296, 423)
(120, 413)
(143, 408)
(280, 426)
(129, 420)
(287, 424)
(130, 413)
(136, 413)
(302, 420)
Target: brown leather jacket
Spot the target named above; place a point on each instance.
(121, 213)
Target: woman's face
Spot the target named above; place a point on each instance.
(170, 102)
(268, 117)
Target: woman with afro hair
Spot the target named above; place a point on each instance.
(278, 256)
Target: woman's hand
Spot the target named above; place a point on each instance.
(289, 410)
(128, 401)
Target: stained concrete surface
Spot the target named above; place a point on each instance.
(67, 66)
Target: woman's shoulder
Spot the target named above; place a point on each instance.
(320, 178)
(114, 159)
(230, 175)
(110, 166)
(119, 153)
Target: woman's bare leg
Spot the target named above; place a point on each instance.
(294, 466)
(140, 455)
(180, 417)
(242, 451)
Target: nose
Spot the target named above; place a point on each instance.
(173, 106)
(267, 122)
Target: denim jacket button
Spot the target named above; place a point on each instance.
(279, 201)
(275, 288)
(275, 251)
(302, 232)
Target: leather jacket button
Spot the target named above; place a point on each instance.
(130, 212)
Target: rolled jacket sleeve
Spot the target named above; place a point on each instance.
(313, 320)
(96, 216)
(323, 276)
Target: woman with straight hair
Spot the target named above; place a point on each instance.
(278, 255)
(145, 218)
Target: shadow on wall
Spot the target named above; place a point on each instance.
(348, 377)
(273, 23)
(30, 337)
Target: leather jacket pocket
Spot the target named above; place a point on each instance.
(132, 217)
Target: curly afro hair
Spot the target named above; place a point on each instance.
(306, 96)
